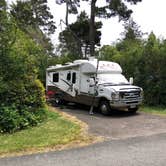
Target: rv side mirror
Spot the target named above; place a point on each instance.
(131, 80)
(97, 80)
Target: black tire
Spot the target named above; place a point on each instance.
(105, 107)
(58, 100)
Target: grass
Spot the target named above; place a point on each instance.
(55, 132)
(154, 110)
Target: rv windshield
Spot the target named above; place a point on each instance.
(112, 79)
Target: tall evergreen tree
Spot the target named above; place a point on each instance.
(111, 9)
(71, 7)
(34, 18)
(132, 31)
(75, 37)
(33, 13)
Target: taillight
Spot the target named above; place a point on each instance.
(50, 94)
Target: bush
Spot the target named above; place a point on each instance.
(13, 119)
(9, 119)
(21, 94)
(24, 93)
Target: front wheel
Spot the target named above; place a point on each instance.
(105, 107)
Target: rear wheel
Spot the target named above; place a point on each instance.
(58, 100)
(105, 107)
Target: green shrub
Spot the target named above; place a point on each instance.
(21, 94)
(9, 119)
(13, 119)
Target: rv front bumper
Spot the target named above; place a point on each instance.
(126, 103)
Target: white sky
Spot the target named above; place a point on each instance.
(149, 15)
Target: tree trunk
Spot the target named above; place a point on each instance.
(92, 28)
(67, 13)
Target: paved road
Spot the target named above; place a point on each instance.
(119, 125)
(140, 151)
(132, 140)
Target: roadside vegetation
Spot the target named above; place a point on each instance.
(154, 110)
(54, 133)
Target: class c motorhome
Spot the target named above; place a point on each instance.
(88, 82)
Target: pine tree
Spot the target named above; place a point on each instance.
(71, 7)
(75, 38)
(111, 9)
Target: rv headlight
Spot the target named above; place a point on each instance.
(115, 96)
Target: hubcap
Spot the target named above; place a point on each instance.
(104, 108)
(57, 100)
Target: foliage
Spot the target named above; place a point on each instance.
(21, 94)
(13, 119)
(33, 13)
(132, 31)
(154, 110)
(145, 61)
(107, 53)
(55, 132)
(35, 20)
(75, 38)
(71, 7)
(152, 78)
(111, 9)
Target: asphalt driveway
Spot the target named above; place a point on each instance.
(119, 125)
(140, 142)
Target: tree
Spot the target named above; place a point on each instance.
(3, 5)
(34, 13)
(71, 7)
(34, 18)
(111, 9)
(131, 31)
(108, 52)
(75, 38)
(21, 94)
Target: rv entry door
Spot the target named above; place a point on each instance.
(72, 82)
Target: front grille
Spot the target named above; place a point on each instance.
(132, 95)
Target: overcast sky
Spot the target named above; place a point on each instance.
(149, 15)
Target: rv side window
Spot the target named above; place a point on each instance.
(74, 78)
(56, 77)
(68, 76)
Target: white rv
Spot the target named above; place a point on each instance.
(88, 82)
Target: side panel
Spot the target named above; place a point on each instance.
(68, 80)
(84, 83)
(82, 98)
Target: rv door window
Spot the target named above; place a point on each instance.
(68, 76)
(56, 77)
(74, 78)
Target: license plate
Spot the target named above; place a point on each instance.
(132, 106)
